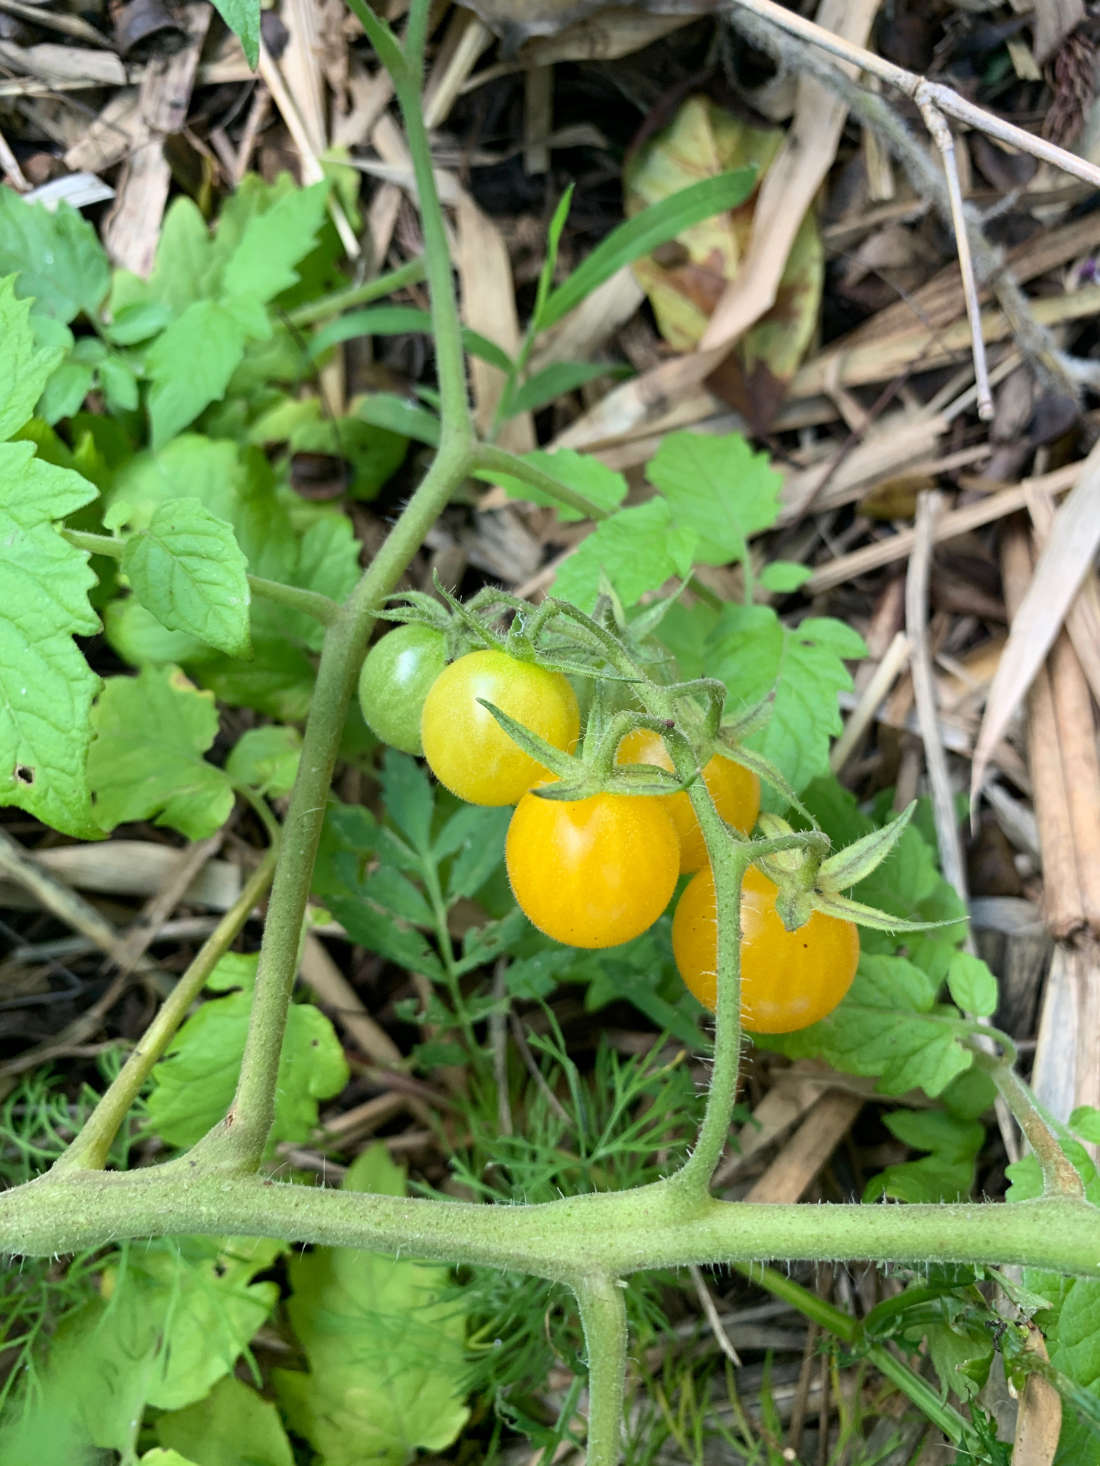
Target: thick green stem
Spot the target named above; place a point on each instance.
(603, 1317)
(611, 1233)
(92, 1146)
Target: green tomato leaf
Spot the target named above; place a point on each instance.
(232, 1426)
(193, 1084)
(753, 652)
(578, 471)
(160, 1457)
(139, 638)
(266, 759)
(145, 760)
(718, 487)
(56, 255)
(191, 362)
(46, 687)
(181, 271)
(946, 1174)
(887, 1027)
(783, 576)
(973, 986)
(383, 1340)
(188, 571)
(273, 242)
(25, 363)
(178, 1315)
(637, 549)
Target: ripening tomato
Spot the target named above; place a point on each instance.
(735, 791)
(788, 979)
(468, 750)
(592, 872)
(396, 677)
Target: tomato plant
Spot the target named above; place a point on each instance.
(396, 677)
(735, 791)
(788, 979)
(468, 750)
(592, 872)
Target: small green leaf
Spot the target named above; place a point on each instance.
(398, 415)
(56, 255)
(400, 320)
(973, 986)
(273, 242)
(232, 1426)
(243, 18)
(718, 487)
(266, 759)
(638, 549)
(193, 1084)
(191, 362)
(946, 1173)
(783, 576)
(46, 686)
(887, 1027)
(578, 471)
(25, 365)
(654, 226)
(145, 759)
(383, 1340)
(187, 569)
(160, 1457)
(139, 638)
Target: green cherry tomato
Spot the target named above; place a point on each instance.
(468, 750)
(396, 676)
(592, 872)
(735, 791)
(788, 979)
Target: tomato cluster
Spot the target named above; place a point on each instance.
(593, 872)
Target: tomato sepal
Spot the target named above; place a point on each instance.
(855, 862)
(832, 904)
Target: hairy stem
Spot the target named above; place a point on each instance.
(239, 1142)
(613, 1233)
(1060, 1177)
(91, 1147)
(603, 1317)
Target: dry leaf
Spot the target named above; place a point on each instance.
(515, 21)
(1066, 557)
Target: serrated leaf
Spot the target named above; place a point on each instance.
(192, 1086)
(56, 256)
(383, 1340)
(578, 471)
(394, 892)
(751, 650)
(474, 836)
(25, 364)
(783, 576)
(243, 19)
(273, 242)
(46, 687)
(408, 798)
(177, 1316)
(946, 1173)
(887, 1027)
(145, 759)
(188, 571)
(718, 487)
(266, 759)
(191, 362)
(232, 1426)
(973, 987)
(637, 549)
(180, 276)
